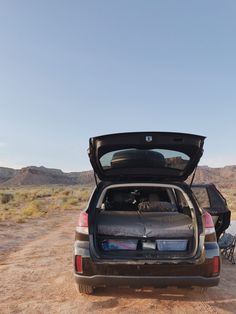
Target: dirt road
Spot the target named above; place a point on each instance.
(36, 277)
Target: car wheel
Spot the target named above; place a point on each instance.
(85, 289)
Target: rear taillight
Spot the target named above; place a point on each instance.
(210, 235)
(78, 264)
(209, 224)
(216, 265)
(82, 226)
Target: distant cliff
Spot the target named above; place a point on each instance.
(40, 176)
(223, 177)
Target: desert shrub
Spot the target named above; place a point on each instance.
(33, 209)
(23, 196)
(58, 191)
(83, 195)
(6, 198)
(7, 213)
(69, 202)
(20, 219)
(66, 192)
(42, 195)
(34, 201)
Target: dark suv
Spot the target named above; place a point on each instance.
(143, 226)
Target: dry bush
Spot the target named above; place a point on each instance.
(34, 201)
(33, 209)
(6, 198)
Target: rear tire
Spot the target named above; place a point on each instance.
(85, 289)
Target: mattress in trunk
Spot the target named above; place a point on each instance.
(144, 224)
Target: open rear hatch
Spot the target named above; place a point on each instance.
(161, 156)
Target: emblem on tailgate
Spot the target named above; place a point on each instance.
(148, 138)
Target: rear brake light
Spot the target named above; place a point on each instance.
(209, 224)
(216, 265)
(78, 263)
(82, 223)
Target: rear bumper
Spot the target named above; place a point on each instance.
(137, 274)
(147, 281)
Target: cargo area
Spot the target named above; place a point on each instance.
(145, 222)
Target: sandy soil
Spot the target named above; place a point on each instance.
(36, 277)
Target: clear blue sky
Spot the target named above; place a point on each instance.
(74, 69)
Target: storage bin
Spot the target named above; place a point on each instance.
(172, 245)
(114, 244)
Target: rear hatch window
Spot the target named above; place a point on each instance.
(153, 155)
(152, 158)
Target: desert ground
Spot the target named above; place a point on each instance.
(36, 277)
(36, 265)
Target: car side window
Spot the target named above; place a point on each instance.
(201, 196)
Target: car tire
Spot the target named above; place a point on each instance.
(85, 289)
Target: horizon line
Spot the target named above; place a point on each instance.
(86, 170)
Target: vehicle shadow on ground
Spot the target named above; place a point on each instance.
(224, 293)
(216, 299)
(170, 296)
(153, 293)
(213, 299)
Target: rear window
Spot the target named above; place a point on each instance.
(216, 198)
(210, 199)
(148, 158)
(202, 196)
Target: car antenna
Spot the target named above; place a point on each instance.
(95, 178)
(193, 176)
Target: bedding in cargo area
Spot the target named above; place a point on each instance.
(144, 224)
